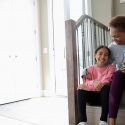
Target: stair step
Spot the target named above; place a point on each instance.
(93, 115)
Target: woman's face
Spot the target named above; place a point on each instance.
(117, 36)
(101, 57)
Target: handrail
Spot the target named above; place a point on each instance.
(83, 17)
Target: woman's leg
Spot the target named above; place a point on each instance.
(112, 121)
(115, 94)
(81, 103)
(105, 102)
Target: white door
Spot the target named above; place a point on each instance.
(18, 73)
(6, 79)
(24, 49)
(6, 70)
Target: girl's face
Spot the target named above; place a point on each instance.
(102, 57)
(117, 36)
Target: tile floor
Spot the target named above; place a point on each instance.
(36, 111)
(46, 111)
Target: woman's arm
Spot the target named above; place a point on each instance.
(107, 77)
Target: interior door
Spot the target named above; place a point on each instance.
(6, 78)
(24, 49)
(18, 66)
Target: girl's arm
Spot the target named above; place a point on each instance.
(87, 80)
(86, 75)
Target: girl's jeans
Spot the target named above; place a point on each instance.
(93, 98)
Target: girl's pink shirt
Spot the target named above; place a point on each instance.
(101, 74)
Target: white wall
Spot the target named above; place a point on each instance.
(102, 10)
(43, 22)
(118, 8)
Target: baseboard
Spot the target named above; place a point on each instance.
(47, 93)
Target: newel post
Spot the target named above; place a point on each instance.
(72, 77)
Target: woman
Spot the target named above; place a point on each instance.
(117, 47)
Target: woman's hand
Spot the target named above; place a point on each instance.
(123, 67)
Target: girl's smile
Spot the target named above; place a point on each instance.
(101, 57)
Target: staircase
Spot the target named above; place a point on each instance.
(82, 37)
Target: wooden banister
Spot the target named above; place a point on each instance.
(83, 17)
(72, 80)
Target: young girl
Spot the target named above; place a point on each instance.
(96, 85)
(117, 47)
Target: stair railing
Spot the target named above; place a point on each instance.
(82, 37)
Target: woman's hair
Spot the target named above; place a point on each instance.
(102, 46)
(118, 22)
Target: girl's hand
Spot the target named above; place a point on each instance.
(82, 86)
(98, 85)
(88, 76)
